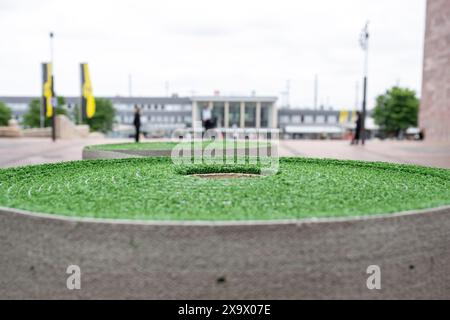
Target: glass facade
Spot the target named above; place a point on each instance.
(218, 114)
(265, 109)
(250, 114)
(234, 114)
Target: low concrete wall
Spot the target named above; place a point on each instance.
(37, 132)
(324, 259)
(12, 130)
(66, 129)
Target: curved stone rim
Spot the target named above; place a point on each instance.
(259, 261)
(223, 223)
(121, 154)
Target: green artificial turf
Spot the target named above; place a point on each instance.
(154, 188)
(169, 145)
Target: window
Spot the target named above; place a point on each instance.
(284, 119)
(296, 119)
(308, 119)
(320, 119)
(332, 119)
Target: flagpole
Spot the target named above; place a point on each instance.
(42, 114)
(54, 100)
(80, 109)
(364, 41)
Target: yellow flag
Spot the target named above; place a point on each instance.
(47, 89)
(88, 100)
(343, 116)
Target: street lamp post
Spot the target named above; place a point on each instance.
(364, 42)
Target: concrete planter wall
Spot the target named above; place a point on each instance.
(254, 260)
(120, 154)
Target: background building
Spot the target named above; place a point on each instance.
(237, 112)
(321, 123)
(434, 116)
(162, 115)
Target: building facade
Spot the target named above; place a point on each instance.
(434, 116)
(237, 112)
(160, 116)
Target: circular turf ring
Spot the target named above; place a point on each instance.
(154, 188)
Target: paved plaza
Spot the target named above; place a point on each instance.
(23, 151)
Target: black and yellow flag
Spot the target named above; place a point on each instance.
(87, 97)
(47, 89)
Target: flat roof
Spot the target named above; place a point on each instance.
(235, 98)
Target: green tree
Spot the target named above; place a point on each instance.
(75, 114)
(103, 118)
(396, 110)
(32, 118)
(5, 114)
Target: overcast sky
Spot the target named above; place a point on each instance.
(199, 46)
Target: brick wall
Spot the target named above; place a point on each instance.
(434, 115)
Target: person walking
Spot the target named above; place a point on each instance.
(207, 119)
(137, 122)
(357, 135)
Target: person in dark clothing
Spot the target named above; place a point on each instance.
(208, 119)
(137, 122)
(357, 135)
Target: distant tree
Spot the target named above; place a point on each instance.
(103, 118)
(5, 114)
(32, 118)
(75, 114)
(396, 110)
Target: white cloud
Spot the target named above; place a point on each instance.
(232, 46)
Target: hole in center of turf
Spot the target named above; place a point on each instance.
(212, 171)
(229, 175)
